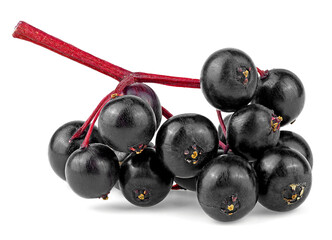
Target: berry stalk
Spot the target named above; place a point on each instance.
(223, 127)
(222, 145)
(167, 80)
(96, 114)
(262, 74)
(29, 33)
(80, 131)
(221, 121)
(177, 187)
(166, 113)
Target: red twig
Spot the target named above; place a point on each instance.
(167, 80)
(222, 124)
(224, 146)
(124, 83)
(80, 131)
(29, 33)
(166, 113)
(223, 127)
(86, 140)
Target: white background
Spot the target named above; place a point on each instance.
(41, 90)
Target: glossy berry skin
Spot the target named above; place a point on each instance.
(143, 180)
(250, 131)
(229, 79)
(185, 143)
(123, 157)
(283, 92)
(284, 177)
(59, 148)
(296, 142)
(127, 123)
(227, 188)
(92, 172)
(220, 132)
(147, 94)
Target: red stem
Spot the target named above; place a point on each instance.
(128, 80)
(80, 131)
(177, 187)
(166, 113)
(105, 100)
(167, 80)
(222, 145)
(29, 33)
(86, 140)
(222, 124)
(263, 74)
(223, 127)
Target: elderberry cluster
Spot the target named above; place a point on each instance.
(247, 160)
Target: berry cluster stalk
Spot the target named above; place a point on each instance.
(29, 33)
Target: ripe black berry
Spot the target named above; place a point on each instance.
(252, 130)
(283, 92)
(92, 172)
(284, 177)
(143, 180)
(59, 148)
(227, 188)
(185, 143)
(229, 79)
(296, 142)
(127, 123)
